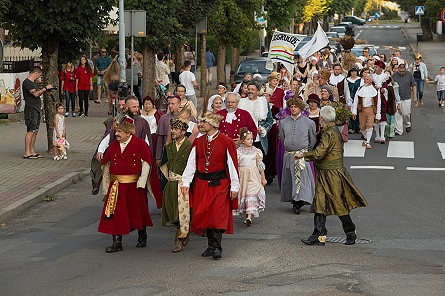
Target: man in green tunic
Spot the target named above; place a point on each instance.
(335, 193)
(175, 206)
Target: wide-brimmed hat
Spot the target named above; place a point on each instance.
(313, 98)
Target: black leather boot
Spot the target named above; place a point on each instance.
(217, 235)
(350, 238)
(142, 238)
(116, 246)
(210, 249)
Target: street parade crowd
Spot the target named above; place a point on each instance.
(203, 168)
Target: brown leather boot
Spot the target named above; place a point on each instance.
(177, 247)
(185, 240)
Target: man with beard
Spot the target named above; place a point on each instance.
(96, 171)
(213, 164)
(174, 105)
(126, 165)
(234, 119)
(337, 80)
(175, 206)
(142, 131)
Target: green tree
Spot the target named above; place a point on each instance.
(4, 7)
(230, 21)
(432, 13)
(168, 23)
(48, 24)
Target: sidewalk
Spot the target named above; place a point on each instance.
(25, 182)
(432, 51)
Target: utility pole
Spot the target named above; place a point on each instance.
(122, 60)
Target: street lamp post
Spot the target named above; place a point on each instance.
(122, 59)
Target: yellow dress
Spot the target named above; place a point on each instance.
(335, 192)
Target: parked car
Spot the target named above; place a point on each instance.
(349, 27)
(299, 46)
(355, 20)
(254, 66)
(371, 18)
(357, 50)
(340, 30)
(332, 35)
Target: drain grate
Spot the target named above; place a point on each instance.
(342, 240)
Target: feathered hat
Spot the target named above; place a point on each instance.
(124, 122)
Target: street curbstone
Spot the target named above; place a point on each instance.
(34, 198)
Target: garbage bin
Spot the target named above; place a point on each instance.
(419, 37)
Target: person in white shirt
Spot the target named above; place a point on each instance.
(440, 80)
(367, 103)
(188, 79)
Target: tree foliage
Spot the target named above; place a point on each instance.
(4, 7)
(34, 23)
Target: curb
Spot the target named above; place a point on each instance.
(32, 199)
(413, 51)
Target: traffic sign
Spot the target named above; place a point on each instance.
(442, 15)
(420, 10)
(377, 14)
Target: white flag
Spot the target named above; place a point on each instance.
(318, 41)
(282, 47)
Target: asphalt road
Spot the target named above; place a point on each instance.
(55, 249)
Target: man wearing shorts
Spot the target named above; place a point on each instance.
(33, 104)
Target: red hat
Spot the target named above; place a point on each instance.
(380, 64)
(313, 98)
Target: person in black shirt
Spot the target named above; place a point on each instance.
(33, 104)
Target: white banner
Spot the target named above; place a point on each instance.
(282, 47)
(318, 41)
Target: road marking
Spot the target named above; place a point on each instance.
(400, 149)
(371, 167)
(442, 149)
(358, 34)
(374, 26)
(354, 148)
(424, 169)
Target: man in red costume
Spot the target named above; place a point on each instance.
(234, 119)
(214, 164)
(126, 168)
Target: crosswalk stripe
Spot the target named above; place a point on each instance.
(354, 148)
(400, 149)
(371, 167)
(442, 149)
(424, 169)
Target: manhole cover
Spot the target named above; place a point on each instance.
(342, 240)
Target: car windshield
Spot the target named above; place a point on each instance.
(359, 51)
(253, 67)
(339, 29)
(332, 34)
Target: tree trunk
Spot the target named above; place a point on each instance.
(221, 62)
(204, 88)
(179, 62)
(149, 72)
(50, 53)
(426, 29)
(234, 60)
(326, 23)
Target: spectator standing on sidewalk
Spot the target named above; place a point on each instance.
(210, 61)
(189, 55)
(420, 74)
(440, 80)
(102, 63)
(84, 84)
(407, 85)
(59, 133)
(188, 79)
(162, 70)
(69, 87)
(33, 104)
